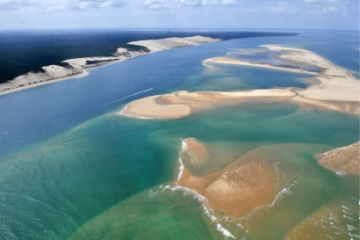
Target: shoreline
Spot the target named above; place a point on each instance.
(77, 67)
(334, 89)
(17, 89)
(233, 61)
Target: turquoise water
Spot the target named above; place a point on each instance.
(72, 167)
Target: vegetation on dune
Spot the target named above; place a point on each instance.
(24, 51)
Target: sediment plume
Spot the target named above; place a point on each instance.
(194, 152)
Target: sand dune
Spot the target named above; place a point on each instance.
(334, 88)
(174, 42)
(76, 67)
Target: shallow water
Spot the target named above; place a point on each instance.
(68, 160)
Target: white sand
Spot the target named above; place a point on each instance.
(174, 42)
(337, 84)
(77, 66)
(234, 61)
(335, 89)
(50, 72)
(146, 107)
(183, 103)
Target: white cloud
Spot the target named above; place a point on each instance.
(228, 2)
(158, 4)
(186, 13)
(330, 9)
(99, 3)
(48, 5)
(166, 4)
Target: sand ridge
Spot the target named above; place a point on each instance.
(342, 160)
(77, 67)
(173, 42)
(334, 88)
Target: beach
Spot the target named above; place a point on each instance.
(77, 67)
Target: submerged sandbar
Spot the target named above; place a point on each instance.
(236, 190)
(342, 160)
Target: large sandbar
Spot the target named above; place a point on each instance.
(335, 89)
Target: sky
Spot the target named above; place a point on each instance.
(170, 14)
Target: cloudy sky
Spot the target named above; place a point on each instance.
(289, 14)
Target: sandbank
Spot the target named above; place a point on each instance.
(233, 61)
(243, 185)
(144, 108)
(236, 190)
(183, 103)
(77, 67)
(335, 88)
(342, 160)
(325, 222)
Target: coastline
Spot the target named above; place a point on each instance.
(78, 67)
(85, 73)
(233, 61)
(334, 89)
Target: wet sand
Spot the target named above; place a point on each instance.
(342, 160)
(334, 88)
(330, 220)
(236, 190)
(245, 184)
(194, 152)
(183, 103)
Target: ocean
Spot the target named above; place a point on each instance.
(73, 168)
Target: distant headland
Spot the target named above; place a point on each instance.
(33, 58)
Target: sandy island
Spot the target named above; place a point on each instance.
(334, 88)
(183, 103)
(77, 67)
